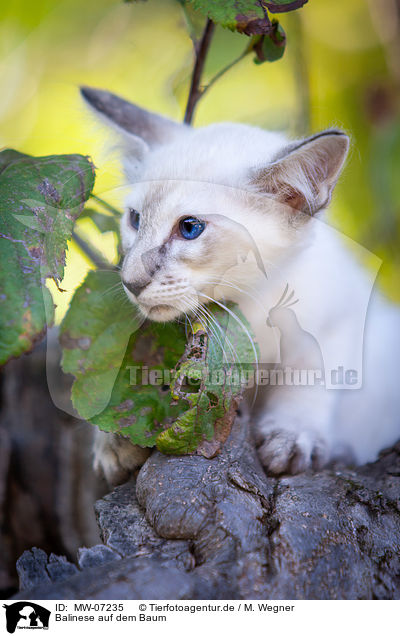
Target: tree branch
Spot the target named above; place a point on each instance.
(201, 53)
(91, 253)
(222, 72)
(106, 205)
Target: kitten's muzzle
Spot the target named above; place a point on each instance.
(136, 287)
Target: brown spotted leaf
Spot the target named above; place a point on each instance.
(113, 356)
(133, 379)
(270, 47)
(40, 198)
(281, 6)
(210, 378)
(246, 16)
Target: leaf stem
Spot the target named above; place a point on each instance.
(91, 252)
(222, 72)
(201, 51)
(106, 205)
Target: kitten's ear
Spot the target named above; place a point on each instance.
(139, 129)
(303, 176)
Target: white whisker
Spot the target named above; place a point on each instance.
(223, 333)
(237, 319)
(214, 326)
(246, 331)
(197, 310)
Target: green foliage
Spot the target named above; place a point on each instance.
(40, 199)
(219, 367)
(112, 358)
(105, 345)
(250, 17)
(237, 15)
(98, 336)
(246, 16)
(271, 47)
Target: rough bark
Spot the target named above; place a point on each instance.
(194, 528)
(189, 527)
(47, 488)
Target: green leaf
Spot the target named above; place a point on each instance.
(246, 16)
(281, 6)
(40, 198)
(271, 47)
(105, 348)
(221, 366)
(94, 335)
(9, 155)
(238, 15)
(137, 409)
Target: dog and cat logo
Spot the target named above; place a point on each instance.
(26, 615)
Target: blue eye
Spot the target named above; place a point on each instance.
(190, 227)
(134, 218)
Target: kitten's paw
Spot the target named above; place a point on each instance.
(285, 450)
(116, 458)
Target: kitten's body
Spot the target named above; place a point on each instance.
(257, 193)
(333, 290)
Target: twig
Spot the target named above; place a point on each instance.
(106, 205)
(222, 72)
(91, 253)
(201, 54)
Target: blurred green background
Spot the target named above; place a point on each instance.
(341, 68)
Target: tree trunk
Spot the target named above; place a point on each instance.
(194, 528)
(47, 488)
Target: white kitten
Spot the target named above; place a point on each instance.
(227, 212)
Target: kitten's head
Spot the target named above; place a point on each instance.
(210, 209)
